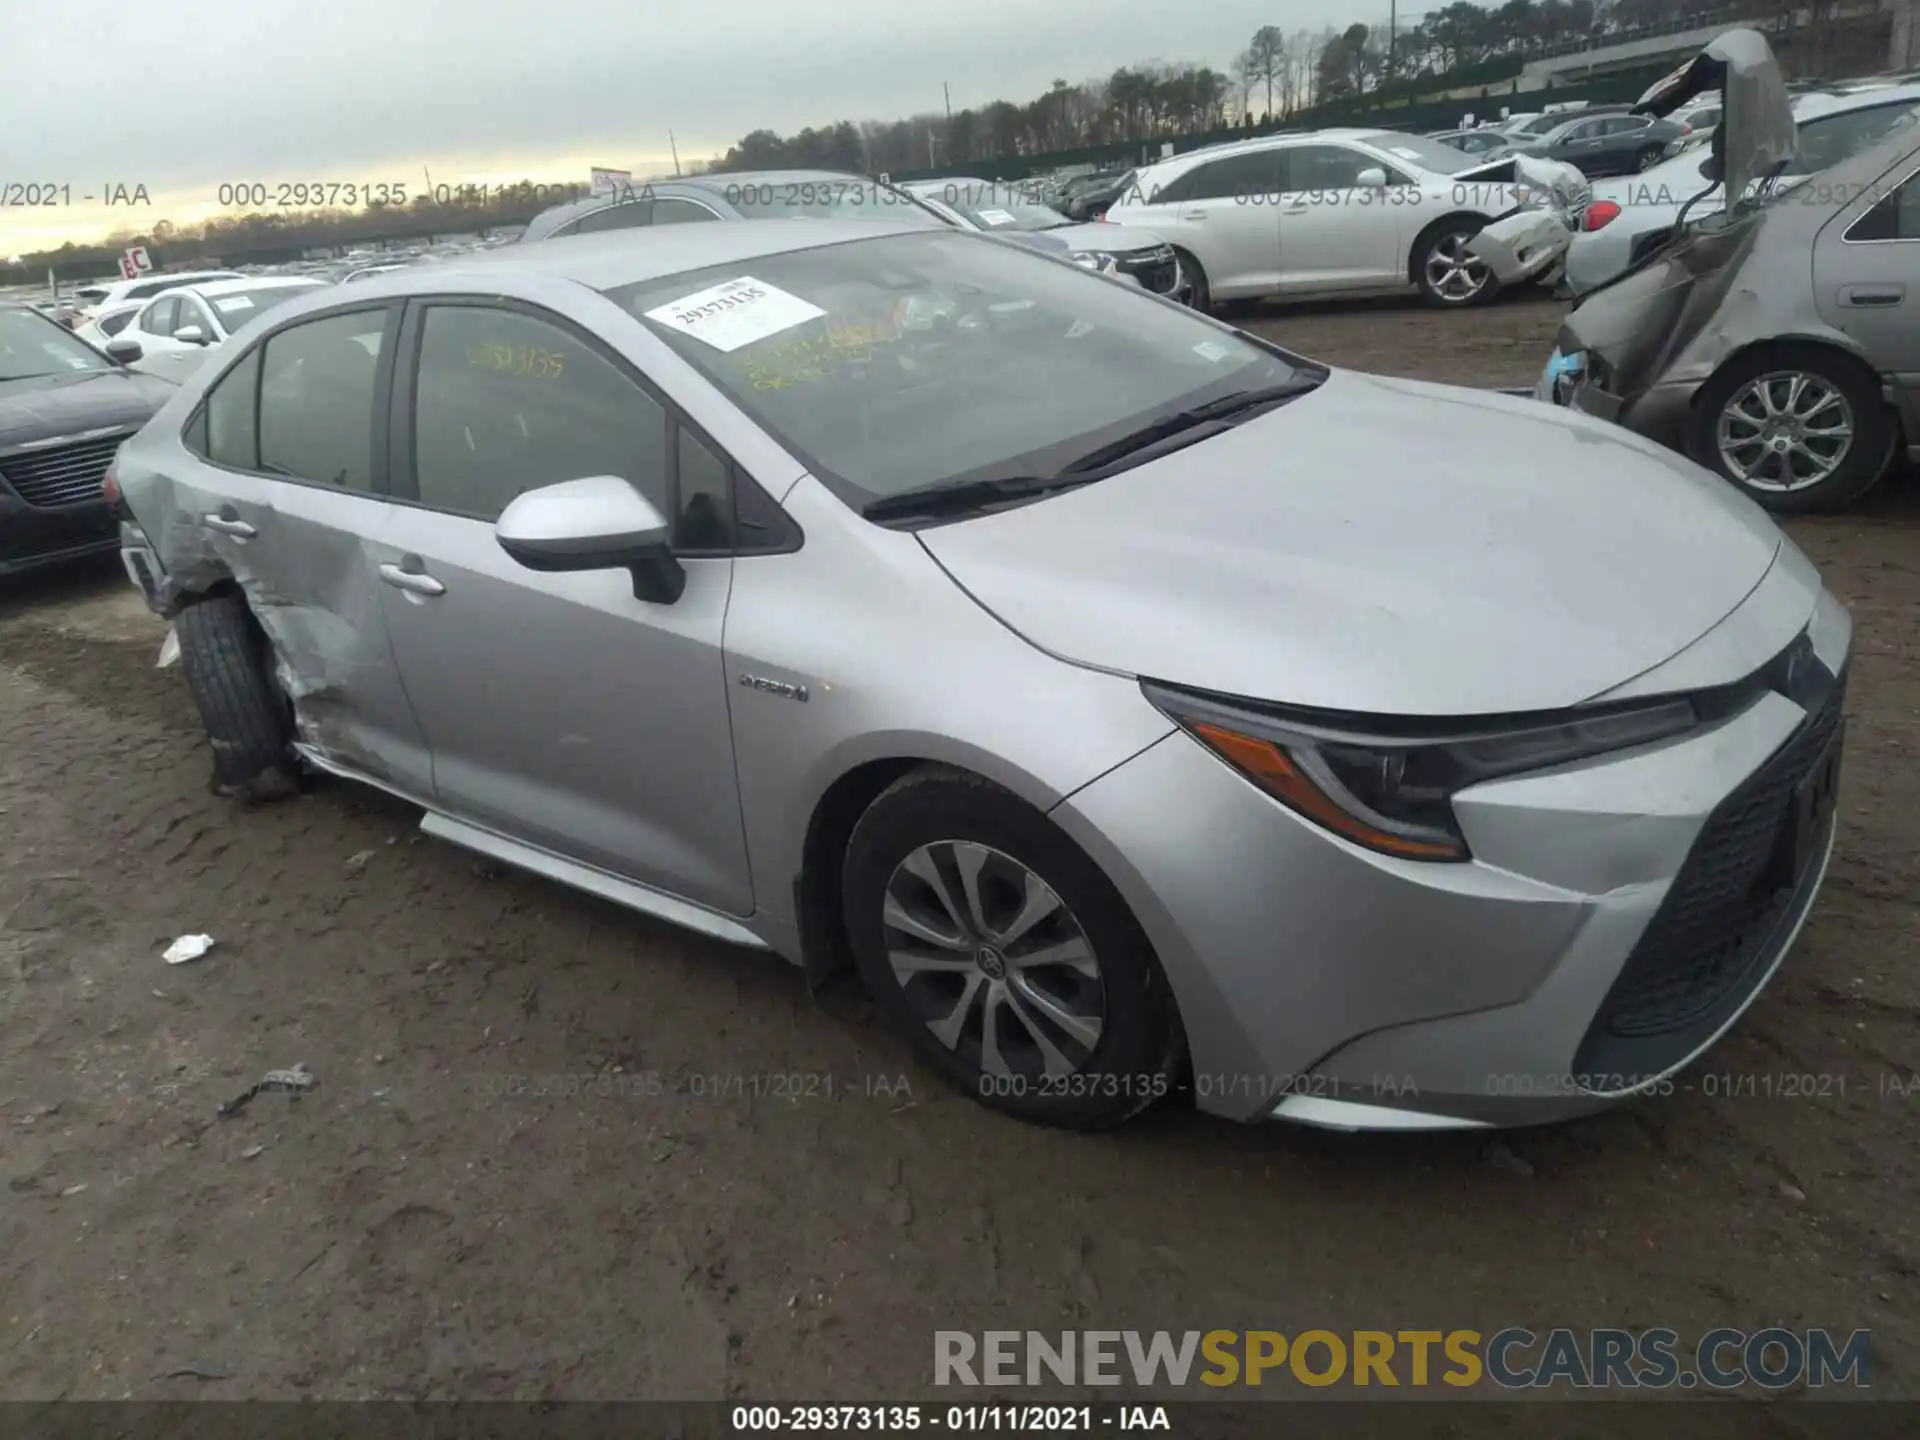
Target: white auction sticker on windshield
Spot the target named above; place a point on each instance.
(1208, 350)
(1403, 152)
(998, 217)
(232, 303)
(736, 313)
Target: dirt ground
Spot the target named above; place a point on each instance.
(542, 1158)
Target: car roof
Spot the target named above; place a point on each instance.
(1813, 104)
(609, 259)
(254, 282)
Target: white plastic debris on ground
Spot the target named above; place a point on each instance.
(187, 947)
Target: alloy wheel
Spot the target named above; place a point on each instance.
(1784, 431)
(992, 961)
(1454, 275)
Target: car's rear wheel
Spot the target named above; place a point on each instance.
(228, 665)
(1446, 273)
(992, 940)
(1650, 158)
(1801, 428)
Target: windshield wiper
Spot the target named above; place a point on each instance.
(1236, 404)
(934, 501)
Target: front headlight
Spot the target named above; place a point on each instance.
(1389, 784)
(1098, 260)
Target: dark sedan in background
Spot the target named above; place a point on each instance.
(64, 409)
(1617, 144)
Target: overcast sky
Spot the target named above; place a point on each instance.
(95, 93)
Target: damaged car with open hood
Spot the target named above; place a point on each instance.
(1776, 340)
(1133, 705)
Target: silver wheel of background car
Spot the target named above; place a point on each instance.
(1784, 431)
(992, 961)
(1453, 275)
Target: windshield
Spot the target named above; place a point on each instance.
(826, 200)
(996, 207)
(1431, 155)
(906, 361)
(32, 346)
(236, 307)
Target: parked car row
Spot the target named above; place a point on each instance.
(1774, 337)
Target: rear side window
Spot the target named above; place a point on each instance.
(114, 324)
(317, 384)
(1238, 177)
(680, 212)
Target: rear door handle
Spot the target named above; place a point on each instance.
(1872, 295)
(414, 582)
(229, 524)
(1193, 214)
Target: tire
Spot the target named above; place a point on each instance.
(1200, 294)
(1123, 1039)
(1738, 388)
(227, 665)
(1648, 159)
(1444, 240)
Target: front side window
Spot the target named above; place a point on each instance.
(32, 347)
(317, 383)
(905, 361)
(1326, 167)
(627, 215)
(506, 402)
(162, 316)
(670, 211)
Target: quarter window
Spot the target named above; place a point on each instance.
(317, 385)
(507, 403)
(705, 504)
(1895, 218)
(232, 436)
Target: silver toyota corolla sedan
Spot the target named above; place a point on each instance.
(1135, 705)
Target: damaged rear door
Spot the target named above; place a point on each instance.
(282, 489)
(562, 711)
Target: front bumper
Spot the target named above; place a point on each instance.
(1331, 985)
(31, 537)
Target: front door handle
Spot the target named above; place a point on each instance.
(1872, 295)
(414, 582)
(228, 522)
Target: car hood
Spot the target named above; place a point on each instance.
(64, 406)
(1381, 546)
(1113, 239)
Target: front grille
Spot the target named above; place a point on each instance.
(1711, 940)
(1154, 269)
(61, 474)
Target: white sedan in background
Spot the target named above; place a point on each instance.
(1328, 212)
(175, 332)
(1629, 219)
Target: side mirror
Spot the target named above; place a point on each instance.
(600, 523)
(124, 352)
(191, 335)
(1371, 178)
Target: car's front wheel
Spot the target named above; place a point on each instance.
(1199, 293)
(1801, 428)
(1446, 272)
(991, 939)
